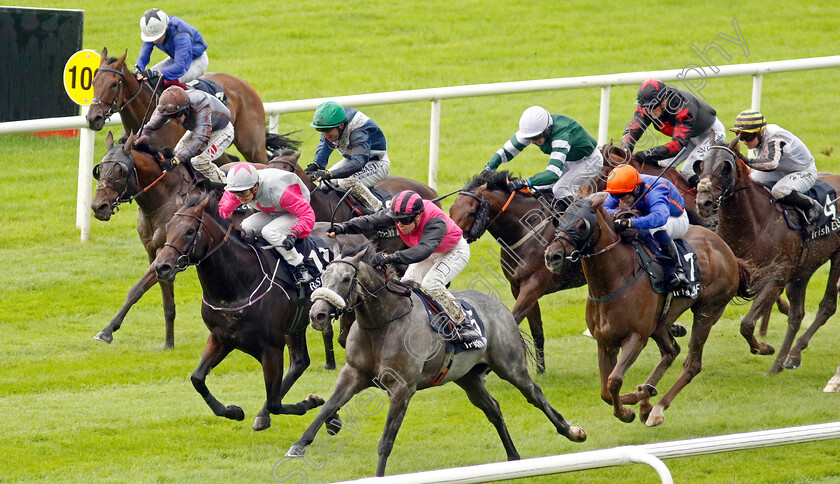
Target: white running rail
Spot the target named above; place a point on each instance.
(435, 95)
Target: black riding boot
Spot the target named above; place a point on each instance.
(811, 207)
(677, 279)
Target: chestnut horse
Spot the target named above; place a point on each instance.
(756, 229)
(623, 311)
(116, 90)
(245, 305)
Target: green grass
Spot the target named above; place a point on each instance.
(77, 410)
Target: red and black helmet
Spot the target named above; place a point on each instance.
(405, 206)
(651, 93)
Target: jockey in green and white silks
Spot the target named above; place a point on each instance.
(574, 158)
(362, 145)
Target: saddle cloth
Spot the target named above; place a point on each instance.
(444, 325)
(653, 266)
(828, 222)
(210, 88)
(316, 256)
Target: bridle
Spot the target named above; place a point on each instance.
(582, 242)
(111, 105)
(186, 257)
(730, 188)
(130, 184)
(482, 215)
(362, 296)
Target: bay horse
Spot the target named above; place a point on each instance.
(245, 305)
(392, 346)
(521, 224)
(623, 311)
(139, 172)
(116, 90)
(754, 226)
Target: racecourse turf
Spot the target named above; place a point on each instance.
(75, 409)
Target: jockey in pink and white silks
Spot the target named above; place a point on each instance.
(284, 214)
(437, 251)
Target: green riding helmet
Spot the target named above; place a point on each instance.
(328, 115)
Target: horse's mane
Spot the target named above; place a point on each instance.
(494, 179)
(282, 154)
(212, 208)
(144, 147)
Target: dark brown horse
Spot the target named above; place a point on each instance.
(521, 224)
(245, 305)
(392, 346)
(623, 311)
(756, 229)
(116, 90)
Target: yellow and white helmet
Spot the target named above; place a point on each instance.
(153, 25)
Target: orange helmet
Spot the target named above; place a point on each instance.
(623, 179)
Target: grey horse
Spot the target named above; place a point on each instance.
(393, 347)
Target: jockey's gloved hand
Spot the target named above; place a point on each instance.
(643, 157)
(289, 242)
(321, 174)
(379, 260)
(311, 168)
(517, 185)
(622, 224)
(338, 229)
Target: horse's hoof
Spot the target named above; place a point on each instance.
(628, 416)
(313, 401)
(104, 337)
(793, 362)
(656, 417)
(652, 391)
(577, 434)
(677, 330)
(262, 423)
(763, 349)
(333, 424)
(168, 346)
(833, 385)
(296, 450)
(774, 370)
(329, 366)
(234, 413)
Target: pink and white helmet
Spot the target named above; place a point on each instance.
(153, 25)
(243, 176)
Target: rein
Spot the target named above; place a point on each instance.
(367, 294)
(731, 188)
(111, 110)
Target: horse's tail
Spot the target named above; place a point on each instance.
(276, 142)
(527, 347)
(748, 279)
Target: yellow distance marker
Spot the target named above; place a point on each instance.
(78, 76)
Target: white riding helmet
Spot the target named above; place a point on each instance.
(243, 176)
(534, 121)
(153, 25)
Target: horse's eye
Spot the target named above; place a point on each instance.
(345, 278)
(114, 85)
(190, 232)
(472, 214)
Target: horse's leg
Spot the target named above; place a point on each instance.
(668, 351)
(277, 387)
(139, 288)
(167, 290)
(515, 371)
(214, 352)
(328, 348)
(796, 293)
(527, 305)
(828, 306)
(631, 347)
(344, 323)
(704, 319)
(762, 304)
(349, 383)
(473, 384)
(400, 396)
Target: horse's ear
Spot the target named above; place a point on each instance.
(598, 200)
(733, 145)
(698, 166)
(104, 56)
(121, 60)
(296, 156)
(712, 137)
(109, 140)
(128, 143)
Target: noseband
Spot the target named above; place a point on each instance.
(482, 215)
(125, 184)
(185, 258)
